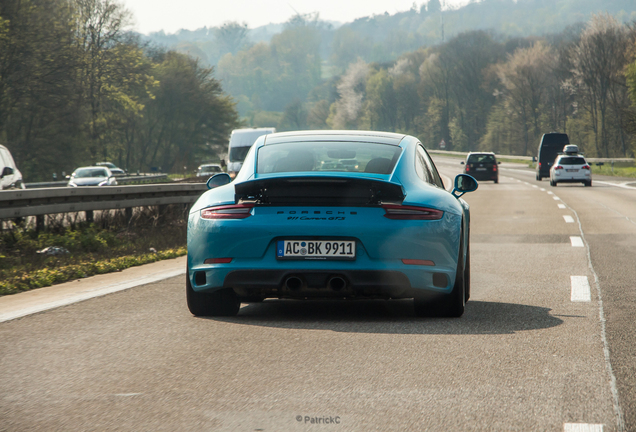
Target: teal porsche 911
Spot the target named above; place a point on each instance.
(298, 223)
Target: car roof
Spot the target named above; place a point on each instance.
(337, 135)
(480, 153)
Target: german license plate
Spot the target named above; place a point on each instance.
(572, 170)
(316, 249)
(481, 169)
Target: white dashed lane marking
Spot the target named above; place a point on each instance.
(561, 206)
(550, 193)
(568, 219)
(580, 289)
(556, 198)
(576, 241)
(582, 427)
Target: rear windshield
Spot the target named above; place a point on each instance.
(328, 156)
(237, 154)
(572, 161)
(481, 158)
(555, 139)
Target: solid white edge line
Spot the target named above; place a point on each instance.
(582, 427)
(580, 291)
(95, 292)
(576, 241)
(620, 424)
(568, 219)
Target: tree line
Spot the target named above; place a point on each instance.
(477, 91)
(76, 87)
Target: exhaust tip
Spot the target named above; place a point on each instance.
(293, 283)
(337, 283)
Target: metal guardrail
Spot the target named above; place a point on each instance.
(37, 202)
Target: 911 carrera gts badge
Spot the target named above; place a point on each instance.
(317, 212)
(316, 215)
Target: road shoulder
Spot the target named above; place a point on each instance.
(42, 299)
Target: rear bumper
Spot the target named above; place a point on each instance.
(572, 177)
(318, 282)
(357, 283)
(484, 175)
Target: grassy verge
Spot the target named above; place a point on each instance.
(107, 245)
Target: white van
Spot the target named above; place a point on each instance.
(10, 177)
(240, 143)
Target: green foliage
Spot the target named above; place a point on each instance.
(75, 82)
(50, 276)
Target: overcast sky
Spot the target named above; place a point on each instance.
(172, 15)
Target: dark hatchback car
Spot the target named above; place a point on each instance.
(482, 166)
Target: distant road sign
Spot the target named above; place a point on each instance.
(442, 144)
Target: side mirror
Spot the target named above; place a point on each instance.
(6, 171)
(462, 162)
(463, 184)
(217, 180)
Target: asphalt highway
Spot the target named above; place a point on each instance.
(546, 342)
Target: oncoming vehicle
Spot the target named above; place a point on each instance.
(207, 170)
(92, 176)
(482, 166)
(10, 176)
(240, 142)
(294, 225)
(550, 146)
(570, 169)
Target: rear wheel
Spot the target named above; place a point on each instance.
(588, 183)
(538, 177)
(497, 180)
(447, 305)
(223, 302)
(552, 183)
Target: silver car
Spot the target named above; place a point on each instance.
(570, 169)
(92, 176)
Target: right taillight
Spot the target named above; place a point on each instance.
(587, 167)
(558, 167)
(411, 212)
(239, 211)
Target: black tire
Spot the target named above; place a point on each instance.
(223, 302)
(446, 305)
(496, 180)
(538, 177)
(588, 183)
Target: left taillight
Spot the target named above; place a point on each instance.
(411, 212)
(238, 211)
(587, 167)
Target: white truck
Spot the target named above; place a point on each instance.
(241, 141)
